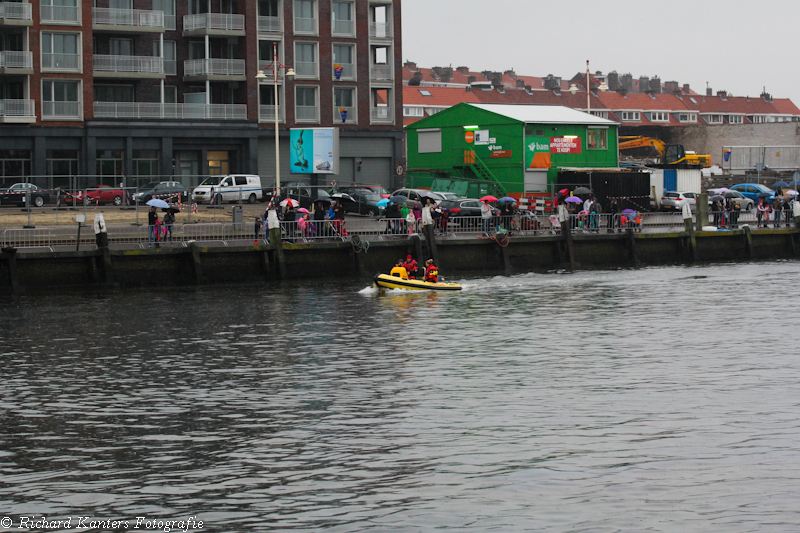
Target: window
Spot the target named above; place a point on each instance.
(269, 16)
(121, 47)
(714, 119)
(380, 68)
(266, 108)
(413, 111)
(379, 22)
(113, 93)
(60, 51)
(60, 11)
(305, 16)
(381, 105)
(305, 60)
(739, 119)
(168, 8)
(342, 18)
(170, 94)
(425, 92)
(170, 58)
(109, 163)
(430, 111)
(145, 162)
(266, 49)
(601, 114)
(306, 104)
(757, 119)
(60, 99)
(630, 116)
(659, 116)
(429, 141)
(197, 50)
(344, 58)
(344, 101)
(62, 165)
(14, 164)
(687, 117)
(597, 139)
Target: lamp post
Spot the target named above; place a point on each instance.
(588, 80)
(261, 77)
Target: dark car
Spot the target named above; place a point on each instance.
(375, 189)
(466, 207)
(299, 192)
(166, 190)
(17, 194)
(364, 202)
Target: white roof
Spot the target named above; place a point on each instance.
(545, 114)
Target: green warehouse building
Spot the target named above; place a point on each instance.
(473, 149)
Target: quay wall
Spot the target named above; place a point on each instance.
(196, 265)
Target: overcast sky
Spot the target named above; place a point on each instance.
(734, 45)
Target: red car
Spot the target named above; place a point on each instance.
(98, 194)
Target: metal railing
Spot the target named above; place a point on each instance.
(266, 113)
(61, 61)
(380, 30)
(27, 238)
(127, 17)
(305, 25)
(214, 67)
(16, 11)
(382, 114)
(305, 112)
(305, 68)
(269, 24)
(17, 108)
(137, 64)
(343, 27)
(172, 111)
(213, 21)
(16, 59)
(380, 72)
(348, 71)
(60, 13)
(61, 109)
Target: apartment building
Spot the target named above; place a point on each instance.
(112, 91)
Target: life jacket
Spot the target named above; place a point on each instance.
(432, 274)
(399, 272)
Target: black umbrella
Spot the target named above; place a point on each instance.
(325, 200)
(398, 199)
(717, 198)
(582, 190)
(342, 196)
(730, 194)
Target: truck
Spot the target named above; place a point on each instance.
(670, 155)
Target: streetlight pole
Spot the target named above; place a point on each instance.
(588, 80)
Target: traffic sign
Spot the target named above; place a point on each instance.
(399, 169)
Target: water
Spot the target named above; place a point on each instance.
(660, 399)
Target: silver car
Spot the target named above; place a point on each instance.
(674, 201)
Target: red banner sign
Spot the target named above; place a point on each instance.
(500, 153)
(565, 145)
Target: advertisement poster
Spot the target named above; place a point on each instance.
(537, 152)
(314, 150)
(565, 145)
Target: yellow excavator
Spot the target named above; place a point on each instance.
(671, 155)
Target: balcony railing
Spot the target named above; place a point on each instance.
(350, 117)
(61, 110)
(60, 13)
(61, 61)
(343, 27)
(380, 30)
(305, 25)
(348, 71)
(269, 24)
(17, 108)
(149, 110)
(127, 17)
(306, 112)
(380, 72)
(137, 64)
(266, 113)
(213, 21)
(382, 114)
(305, 68)
(265, 66)
(214, 67)
(16, 59)
(16, 11)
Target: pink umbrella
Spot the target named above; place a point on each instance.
(489, 198)
(291, 201)
(302, 210)
(574, 200)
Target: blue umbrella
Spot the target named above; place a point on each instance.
(383, 203)
(507, 199)
(780, 184)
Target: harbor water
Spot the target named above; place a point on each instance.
(656, 399)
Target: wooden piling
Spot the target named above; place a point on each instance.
(565, 227)
(687, 223)
(748, 242)
(430, 238)
(277, 243)
(632, 247)
(197, 268)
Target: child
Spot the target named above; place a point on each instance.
(257, 228)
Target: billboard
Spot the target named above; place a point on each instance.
(314, 150)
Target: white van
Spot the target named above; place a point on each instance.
(229, 188)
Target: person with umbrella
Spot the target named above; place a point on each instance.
(716, 208)
(169, 220)
(777, 207)
(152, 218)
(486, 216)
(762, 212)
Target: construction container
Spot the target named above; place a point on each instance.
(631, 190)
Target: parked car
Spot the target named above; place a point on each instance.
(166, 190)
(745, 202)
(300, 192)
(17, 195)
(465, 207)
(449, 195)
(375, 189)
(417, 194)
(95, 195)
(674, 201)
(364, 202)
(229, 188)
(752, 190)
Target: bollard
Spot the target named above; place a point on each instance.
(565, 227)
(701, 205)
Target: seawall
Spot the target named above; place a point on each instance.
(196, 265)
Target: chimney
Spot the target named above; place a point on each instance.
(551, 82)
(410, 66)
(487, 74)
(644, 84)
(613, 80)
(765, 95)
(686, 89)
(671, 87)
(722, 94)
(511, 74)
(655, 85)
(626, 82)
(622, 91)
(709, 91)
(437, 71)
(417, 75)
(446, 75)
(471, 79)
(463, 70)
(520, 83)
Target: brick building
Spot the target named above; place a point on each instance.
(131, 90)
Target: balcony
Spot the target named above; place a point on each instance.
(305, 25)
(269, 25)
(266, 113)
(344, 27)
(60, 14)
(306, 113)
(61, 110)
(380, 73)
(348, 71)
(128, 67)
(154, 110)
(219, 24)
(16, 14)
(380, 30)
(16, 63)
(17, 111)
(266, 66)
(214, 70)
(382, 114)
(66, 62)
(305, 69)
(127, 20)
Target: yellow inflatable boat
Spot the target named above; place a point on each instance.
(386, 281)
